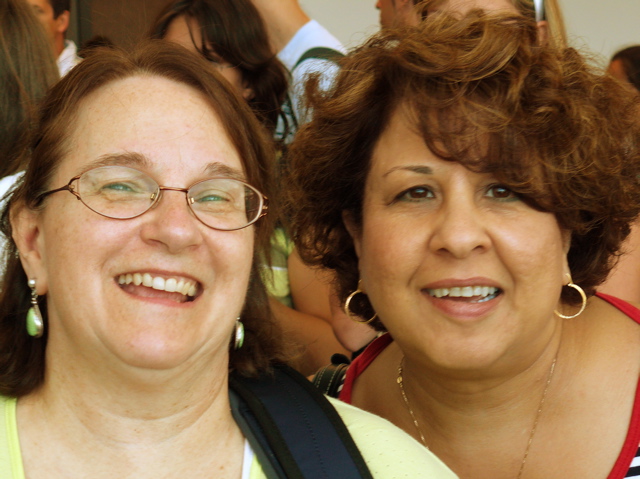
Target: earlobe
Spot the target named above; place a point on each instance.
(28, 238)
(353, 229)
(247, 93)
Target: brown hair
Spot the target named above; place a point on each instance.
(21, 356)
(234, 31)
(27, 69)
(484, 93)
(551, 13)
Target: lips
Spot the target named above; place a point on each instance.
(176, 288)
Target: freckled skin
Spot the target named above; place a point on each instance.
(180, 135)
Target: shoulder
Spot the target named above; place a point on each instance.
(311, 35)
(10, 457)
(8, 182)
(388, 451)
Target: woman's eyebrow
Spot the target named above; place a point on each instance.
(221, 169)
(420, 169)
(120, 159)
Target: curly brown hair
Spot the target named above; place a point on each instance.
(482, 92)
(22, 358)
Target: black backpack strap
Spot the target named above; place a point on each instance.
(319, 53)
(330, 378)
(294, 430)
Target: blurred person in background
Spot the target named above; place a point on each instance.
(55, 16)
(624, 280)
(27, 70)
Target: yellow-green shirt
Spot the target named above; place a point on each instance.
(389, 452)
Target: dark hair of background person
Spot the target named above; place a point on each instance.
(60, 6)
(630, 59)
(22, 357)
(233, 30)
(27, 70)
(482, 92)
(94, 42)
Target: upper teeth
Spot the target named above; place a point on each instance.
(171, 285)
(463, 292)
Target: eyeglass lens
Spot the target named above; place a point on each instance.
(122, 192)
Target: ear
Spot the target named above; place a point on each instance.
(247, 92)
(566, 246)
(27, 234)
(62, 21)
(543, 33)
(566, 241)
(353, 229)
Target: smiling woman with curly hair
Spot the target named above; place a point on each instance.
(471, 188)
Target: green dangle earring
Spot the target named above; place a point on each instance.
(35, 324)
(238, 334)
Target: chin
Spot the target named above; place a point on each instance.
(157, 353)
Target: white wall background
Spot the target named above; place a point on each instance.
(602, 26)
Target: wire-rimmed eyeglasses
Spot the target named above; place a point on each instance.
(120, 192)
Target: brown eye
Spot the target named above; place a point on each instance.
(417, 193)
(500, 192)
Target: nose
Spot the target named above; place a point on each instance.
(378, 5)
(460, 229)
(171, 222)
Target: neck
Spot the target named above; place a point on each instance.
(58, 46)
(127, 403)
(466, 406)
(167, 426)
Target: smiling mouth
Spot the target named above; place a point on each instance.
(144, 284)
(474, 294)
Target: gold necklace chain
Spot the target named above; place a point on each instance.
(400, 381)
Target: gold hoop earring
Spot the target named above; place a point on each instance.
(347, 311)
(571, 284)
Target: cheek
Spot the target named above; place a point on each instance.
(391, 248)
(534, 250)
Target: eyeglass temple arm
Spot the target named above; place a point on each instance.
(265, 206)
(68, 187)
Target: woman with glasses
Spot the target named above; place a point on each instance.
(486, 184)
(132, 296)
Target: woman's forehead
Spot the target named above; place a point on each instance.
(154, 117)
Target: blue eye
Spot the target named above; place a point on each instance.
(118, 187)
(502, 193)
(212, 195)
